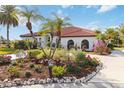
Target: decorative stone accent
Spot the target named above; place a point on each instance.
(77, 81)
(6, 80)
(32, 81)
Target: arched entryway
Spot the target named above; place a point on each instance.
(85, 44)
(70, 44)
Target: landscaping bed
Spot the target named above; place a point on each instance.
(76, 67)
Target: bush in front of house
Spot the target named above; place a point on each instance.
(73, 69)
(4, 60)
(28, 74)
(100, 47)
(58, 71)
(80, 57)
(22, 44)
(32, 66)
(33, 54)
(38, 68)
(14, 71)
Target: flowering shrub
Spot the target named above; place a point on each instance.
(5, 60)
(100, 47)
(87, 60)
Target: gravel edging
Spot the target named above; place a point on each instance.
(18, 82)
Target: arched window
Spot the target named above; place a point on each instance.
(85, 44)
(70, 44)
(48, 38)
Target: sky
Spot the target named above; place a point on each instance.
(85, 16)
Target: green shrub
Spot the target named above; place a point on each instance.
(20, 60)
(14, 63)
(40, 56)
(77, 70)
(38, 68)
(28, 74)
(73, 69)
(31, 65)
(111, 46)
(5, 60)
(13, 71)
(94, 62)
(86, 62)
(22, 44)
(80, 57)
(21, 65)
(58, 71)
(65, 55)
(33, 54)
(70, 69)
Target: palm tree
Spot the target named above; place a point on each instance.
(30, 15)
(48, 27)
(59, 24)
(8, 17)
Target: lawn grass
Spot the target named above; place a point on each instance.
(119, 48)
(4, 51)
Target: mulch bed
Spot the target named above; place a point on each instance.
(4, 74)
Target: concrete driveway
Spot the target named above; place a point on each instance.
(111, 76)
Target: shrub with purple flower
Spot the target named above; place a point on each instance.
(100, 47)
(4, 59)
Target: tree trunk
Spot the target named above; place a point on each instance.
(57, 45)
(29, 26)
(51, 46)
(8, 46)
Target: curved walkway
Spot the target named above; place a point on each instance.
(112, 74)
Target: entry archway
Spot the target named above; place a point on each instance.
(85, 44)
(70, 44)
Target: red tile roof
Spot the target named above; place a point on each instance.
(70, 32)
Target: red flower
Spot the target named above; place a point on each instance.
(88, 57)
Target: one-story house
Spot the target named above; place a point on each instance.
(70, 37)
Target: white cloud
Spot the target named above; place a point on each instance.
(94, 22)
(93, 25)
(106, 8)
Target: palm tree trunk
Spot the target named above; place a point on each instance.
(8, 46)
(31, 32)
(51, 46)
(57, 45)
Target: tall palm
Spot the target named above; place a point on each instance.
(59, 24)
(48, 27)
(8, 17)
(30, 15)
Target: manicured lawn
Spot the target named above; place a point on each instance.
(119, 48)
(7, 51)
